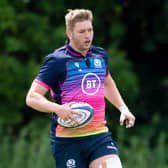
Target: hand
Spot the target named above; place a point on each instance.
(126, 116)
(66, 113)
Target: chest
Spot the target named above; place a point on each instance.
(86, 65)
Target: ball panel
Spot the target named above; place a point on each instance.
(87, 112)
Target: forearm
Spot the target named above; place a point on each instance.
(112, 94)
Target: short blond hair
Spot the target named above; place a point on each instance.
(77, 15)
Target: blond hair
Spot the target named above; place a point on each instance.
(77, 15)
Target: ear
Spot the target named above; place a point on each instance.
(69, 34)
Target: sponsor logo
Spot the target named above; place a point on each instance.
(111, 146)
(91, 84)
(97, 63)
(78, 66)
(71, 163)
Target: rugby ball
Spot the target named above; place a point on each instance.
(86, 111)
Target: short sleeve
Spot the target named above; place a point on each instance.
(106, 59)
(105, 56)
(49, 72)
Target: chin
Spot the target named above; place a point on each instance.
(88, 47)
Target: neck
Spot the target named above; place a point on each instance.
(83, 52)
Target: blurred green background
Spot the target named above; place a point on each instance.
(135, 34)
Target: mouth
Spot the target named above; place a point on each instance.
(87, 42)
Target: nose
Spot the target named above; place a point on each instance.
(87, 34)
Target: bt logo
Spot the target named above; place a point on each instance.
(90, 84)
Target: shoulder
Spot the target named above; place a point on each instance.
(57, 55)
(60, 51)
(98, 50)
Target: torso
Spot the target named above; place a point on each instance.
(75, 78)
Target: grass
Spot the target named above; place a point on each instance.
(31, 149)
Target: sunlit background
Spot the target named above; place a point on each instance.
(135, 34)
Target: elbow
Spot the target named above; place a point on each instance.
(29, 100)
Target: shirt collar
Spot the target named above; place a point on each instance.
(74, 52)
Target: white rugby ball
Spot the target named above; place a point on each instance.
(86, 111)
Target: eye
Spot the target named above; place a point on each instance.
(82, 31)
(90, 30)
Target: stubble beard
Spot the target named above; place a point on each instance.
(82, 47)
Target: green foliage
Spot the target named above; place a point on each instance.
(123, 74)
(138, 154)
(25, 32)
(127, 82)
(7, 17)
(143, 146)
(29, 30)
(137, 151)
(159, 33)
(31, 148)
(16, 79)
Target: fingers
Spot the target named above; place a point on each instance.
(72, 117)
(128, 118)
(129, 123)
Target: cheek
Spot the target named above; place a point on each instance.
(76, 36)
(92, 33)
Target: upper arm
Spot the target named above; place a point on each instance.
(108, 79)
(35, 92)
(37, 88)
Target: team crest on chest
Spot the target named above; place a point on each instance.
(71, 163)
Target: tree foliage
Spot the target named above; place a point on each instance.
(135, 34)
(16, 79)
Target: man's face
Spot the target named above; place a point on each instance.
(81, 36)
